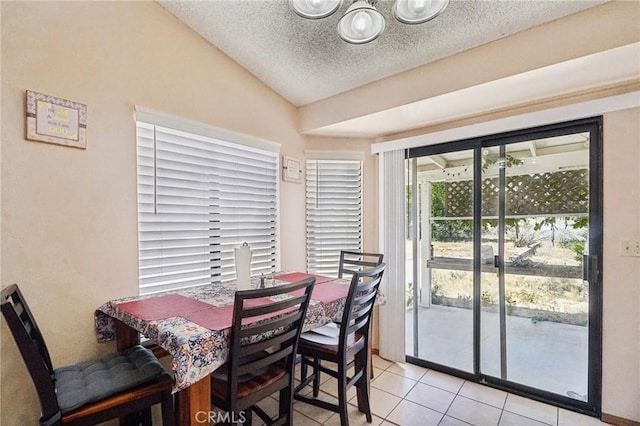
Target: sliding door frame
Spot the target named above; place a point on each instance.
(593, 262)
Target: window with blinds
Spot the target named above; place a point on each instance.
(198, 199)
(334, 212)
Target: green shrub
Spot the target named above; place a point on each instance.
(436, 294)
(487, 298)
(577, 247)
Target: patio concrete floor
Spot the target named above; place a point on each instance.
(545, 355)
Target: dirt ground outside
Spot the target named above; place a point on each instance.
(542, 298)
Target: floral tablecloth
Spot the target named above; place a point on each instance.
(196, 350)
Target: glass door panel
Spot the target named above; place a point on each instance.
(535, 306)
(441, 306)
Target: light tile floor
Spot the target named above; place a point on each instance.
(408, 395)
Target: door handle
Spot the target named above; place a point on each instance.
(589, 267)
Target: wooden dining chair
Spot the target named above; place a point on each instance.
(345, 344)
(264, 337)
(90, 392)
(353, 261)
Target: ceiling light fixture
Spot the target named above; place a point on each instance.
(362, 23)
(418, 11)
(315, 9)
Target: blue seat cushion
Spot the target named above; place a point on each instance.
(94, 380)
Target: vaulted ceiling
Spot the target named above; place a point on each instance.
(306, 62)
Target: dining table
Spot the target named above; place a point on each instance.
(193, 326)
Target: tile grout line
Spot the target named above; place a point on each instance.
(384, 418)
(456, 394)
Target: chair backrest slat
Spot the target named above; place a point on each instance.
(362, 311)
(272, 306)
(356, 326)
(265, 344)
(269, 324)
(362, 303)
(353, 261)
(253, 366)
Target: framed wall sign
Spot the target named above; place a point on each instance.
(291, 169)
(55, 120)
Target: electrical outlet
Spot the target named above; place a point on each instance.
(630, 248)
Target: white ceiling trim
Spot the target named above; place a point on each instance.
(523, 121)
(581, 74)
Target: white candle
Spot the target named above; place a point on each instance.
(243, 266)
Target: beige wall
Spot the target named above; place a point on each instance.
(69, 221)
(621, 275)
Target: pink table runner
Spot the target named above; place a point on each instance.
(220, 317)
(327, 292)
(299, 276)
(161, 307)
(215, 318)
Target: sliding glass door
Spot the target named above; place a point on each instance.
(441, 264)
(505, 242)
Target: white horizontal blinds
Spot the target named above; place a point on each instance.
(334, 212)
(198, 199)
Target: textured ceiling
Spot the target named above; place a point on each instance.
(305, 60)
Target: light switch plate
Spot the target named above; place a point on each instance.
(630, 248)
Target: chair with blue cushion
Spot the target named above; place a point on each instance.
(121, 384)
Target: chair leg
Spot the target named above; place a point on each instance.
(134, 419)
(369, 350)
(342, 395)
(305, 377)
(303, 368)
(316, 379)
(286, 405)
(248, 417)
(168, 411)
(363, 385)
(145, 417)
(363, 402)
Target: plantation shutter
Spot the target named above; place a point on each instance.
(198, 199)
(334, 212)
